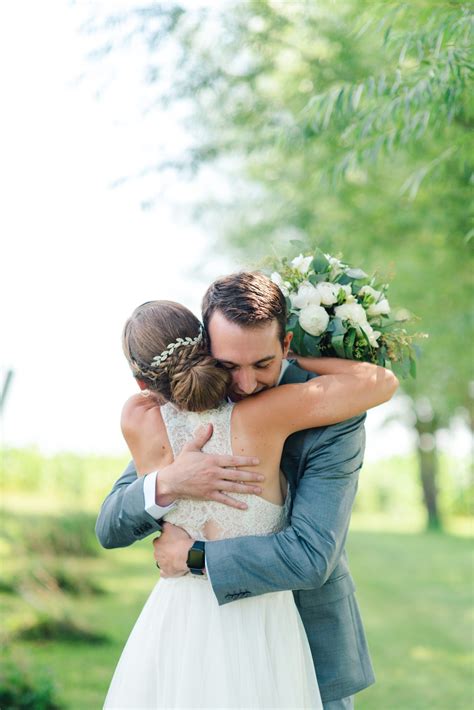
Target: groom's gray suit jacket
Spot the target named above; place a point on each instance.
(322, 467)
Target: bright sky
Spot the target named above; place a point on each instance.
(77, 255)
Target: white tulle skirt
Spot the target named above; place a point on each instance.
(186, 651)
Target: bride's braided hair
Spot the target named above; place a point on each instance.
(188, 376)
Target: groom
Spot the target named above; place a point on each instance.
(245, 315)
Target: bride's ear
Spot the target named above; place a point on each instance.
(141, 384)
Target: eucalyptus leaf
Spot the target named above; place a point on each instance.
(297, 340)
(298, 244)
(311, 344)
(349, 343)
(316, 279)
(320, 263)
(356, 274)
(291, 322)
(337, 342)
(336, 327)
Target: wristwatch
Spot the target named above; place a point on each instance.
(197, 558)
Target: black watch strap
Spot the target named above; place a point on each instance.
(197, 558)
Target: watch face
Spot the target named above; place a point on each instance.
(196, 559)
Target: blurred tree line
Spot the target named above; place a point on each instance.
(342, 125)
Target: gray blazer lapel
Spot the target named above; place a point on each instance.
(292, 457)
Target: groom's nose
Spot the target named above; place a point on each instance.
(246, 381)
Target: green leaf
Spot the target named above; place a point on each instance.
(381, 356)
(291, 322)
(356, 274)
(337, 342)
(402, 368)
(298, 244)
(413, 367)
(315, 279)
(349, 343)
(311, 344)
(320, 264)
(297, 342)
(336, 327)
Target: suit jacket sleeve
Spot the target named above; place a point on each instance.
(303, 555)
(122, 518)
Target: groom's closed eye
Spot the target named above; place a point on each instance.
(257, 365)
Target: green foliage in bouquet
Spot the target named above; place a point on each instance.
(335, 310)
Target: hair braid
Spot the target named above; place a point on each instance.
(189, 376)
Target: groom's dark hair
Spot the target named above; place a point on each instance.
(248, 298)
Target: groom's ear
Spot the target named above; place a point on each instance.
(286, 343)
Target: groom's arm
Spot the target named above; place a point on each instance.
(304, 555)
(123, 518)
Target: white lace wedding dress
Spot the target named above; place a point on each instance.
(186, 651)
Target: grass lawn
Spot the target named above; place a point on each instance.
(414, 589)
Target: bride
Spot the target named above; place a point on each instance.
(186, 651)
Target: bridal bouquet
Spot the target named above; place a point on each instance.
(335, 310)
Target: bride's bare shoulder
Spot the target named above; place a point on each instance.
(138, 411)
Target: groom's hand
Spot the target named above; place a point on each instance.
(171, 551)
(194, 474)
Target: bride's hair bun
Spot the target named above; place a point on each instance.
(188, 376)
(196, 381)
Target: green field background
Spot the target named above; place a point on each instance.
(68, 606)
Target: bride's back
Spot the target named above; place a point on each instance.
(233, 433)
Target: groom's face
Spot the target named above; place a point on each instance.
(252, 355)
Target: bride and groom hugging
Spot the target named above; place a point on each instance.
(268, 615)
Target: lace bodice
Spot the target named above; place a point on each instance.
(205, 520)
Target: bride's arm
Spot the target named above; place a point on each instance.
(329, 365)
(142, 427)
(328, 399)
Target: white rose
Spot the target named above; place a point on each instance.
(336, 266)
(314, 319)
(307, 296)
(380, 308)
(302, 263)
(371, 291)
(328, 293)
(371, 334)
(284, 286)
(348, 291)
(352, 312)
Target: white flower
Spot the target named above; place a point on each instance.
(314, 319)
(328, 293)
(335, 265)
(284, 286)
(371, 292)
(380, 308)
(348, 291)
(302, 263)
(352, 312)
(307, 296)
(371, 334)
